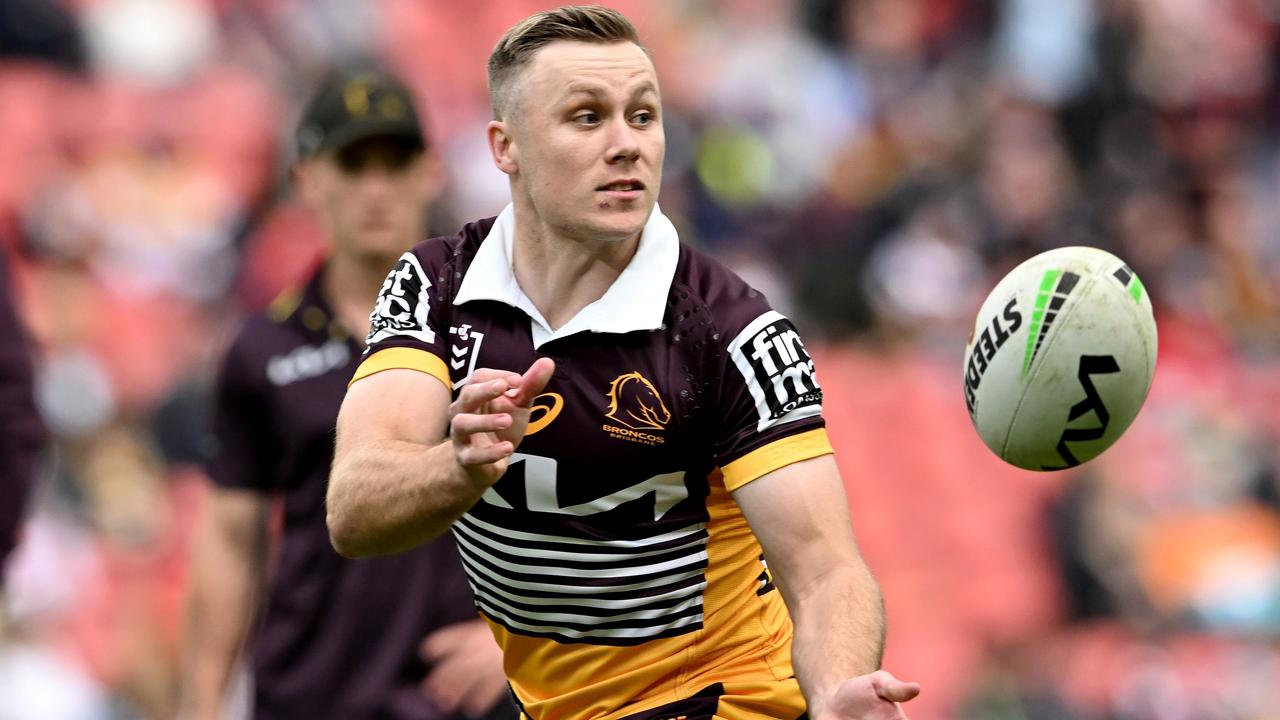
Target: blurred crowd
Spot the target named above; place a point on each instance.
(874, 166)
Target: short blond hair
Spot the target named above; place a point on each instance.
(582, 23)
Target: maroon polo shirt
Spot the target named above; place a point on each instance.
(336, 638)
(615, 567)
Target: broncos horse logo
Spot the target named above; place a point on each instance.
(634, 402)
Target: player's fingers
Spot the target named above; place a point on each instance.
(442, 691)
(430, 648)
(449, 681)
(487, 374)
(475, 395)
(470, 423)
(468, 455)
(482, 694)
(439, 643)
(905, 691)
(890, 688)
(534, 381)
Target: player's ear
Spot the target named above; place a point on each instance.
(502, 147)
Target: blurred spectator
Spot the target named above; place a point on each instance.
(40, 30)
(21, 431)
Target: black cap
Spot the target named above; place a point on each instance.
(354, 105)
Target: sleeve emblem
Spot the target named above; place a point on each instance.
(402, 304)
(777, 370)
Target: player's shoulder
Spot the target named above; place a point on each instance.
(424, 280)
(706, 287)
(763, 357)
(298, 316)
(265, 333)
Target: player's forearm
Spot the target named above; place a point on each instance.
(839, 631)
(389, 497)
(225, 588)
(216, 627)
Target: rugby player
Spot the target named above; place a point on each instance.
(625, 439)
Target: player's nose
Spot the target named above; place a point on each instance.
(624, 143)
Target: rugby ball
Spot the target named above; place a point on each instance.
(1060, 359)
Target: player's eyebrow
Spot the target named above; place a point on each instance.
(596, 91)
(643, 88)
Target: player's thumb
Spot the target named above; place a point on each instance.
(890, 688)
(535, 380)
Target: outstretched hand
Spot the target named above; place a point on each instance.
(488, 420)
(874, 696)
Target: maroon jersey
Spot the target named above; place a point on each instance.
(21, 432)
(614, 566)
(336, 637)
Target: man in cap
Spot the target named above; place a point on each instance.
(392, 637)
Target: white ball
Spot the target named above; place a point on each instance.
(1060, 359)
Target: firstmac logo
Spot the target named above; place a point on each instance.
(777, 370)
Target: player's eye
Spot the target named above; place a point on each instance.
(586, 118)
(644, 117)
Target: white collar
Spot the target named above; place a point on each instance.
(637, 300)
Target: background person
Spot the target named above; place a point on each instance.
(334, 637)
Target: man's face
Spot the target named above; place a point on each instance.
(370, 196)
(586, 138)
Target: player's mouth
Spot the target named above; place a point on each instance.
(623, 189)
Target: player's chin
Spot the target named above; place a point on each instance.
(622, 219)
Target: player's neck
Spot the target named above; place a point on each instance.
(351, 285)
(562, 275)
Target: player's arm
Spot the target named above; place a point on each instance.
(228, 555)
(408, 462)
(800, 514)
(227, 577)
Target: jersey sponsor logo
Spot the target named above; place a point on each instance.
(585, 586)
(542, 496)
(464, 348)
(403, 302)
(307, 362)
(778, 371)
(541, 415)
